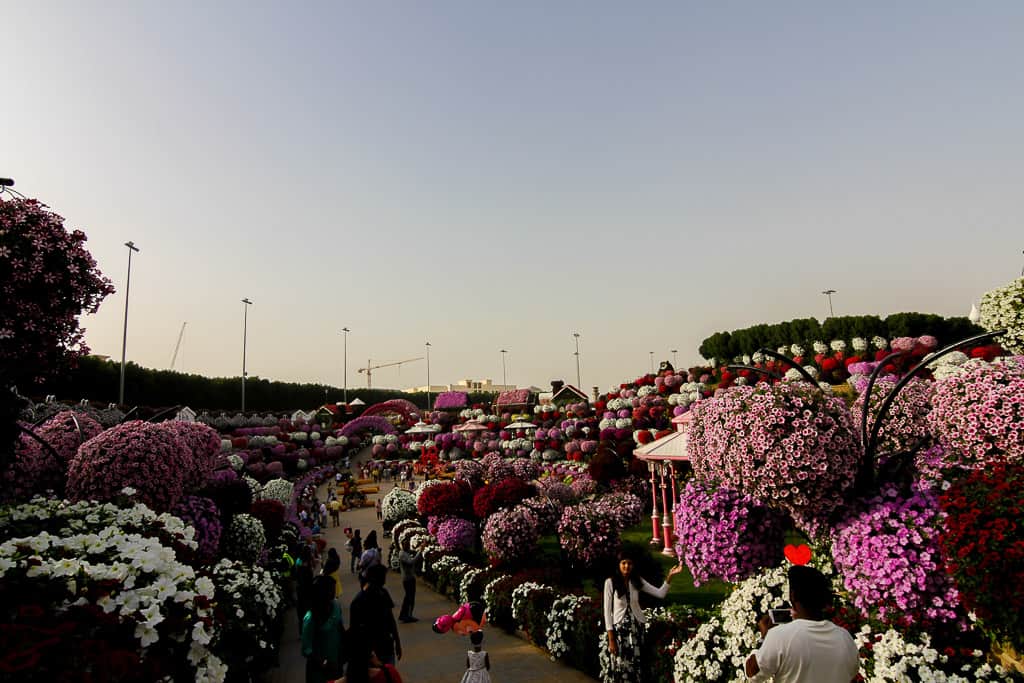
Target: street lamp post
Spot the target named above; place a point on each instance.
(504, 375)
(345, 332)
(579, 382)
(829, 293)
(245, 333)
(675, 361)
(428, 374)
(124, 339)
(652, 361)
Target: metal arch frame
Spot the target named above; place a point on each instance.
(768, 373)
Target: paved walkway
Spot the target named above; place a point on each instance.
(427, 656)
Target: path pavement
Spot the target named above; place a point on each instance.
(427, 656)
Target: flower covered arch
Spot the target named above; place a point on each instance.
(405, 411)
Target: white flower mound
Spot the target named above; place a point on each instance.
(1003, 308)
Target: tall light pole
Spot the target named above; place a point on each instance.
(675, 361)
(345, 332)
(652, 361)
(245, 333)
(428, 374)
(504, 375)
(579, 382)
(829, 293)
(124, 339)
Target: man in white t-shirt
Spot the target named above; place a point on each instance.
(809, 649)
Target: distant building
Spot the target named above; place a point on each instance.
(467, 385)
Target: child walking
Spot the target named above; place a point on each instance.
(478, 664)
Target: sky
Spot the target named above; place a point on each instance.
(486, 175)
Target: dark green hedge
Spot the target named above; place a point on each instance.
(98, 380)
(804, 331)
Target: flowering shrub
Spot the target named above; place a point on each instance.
(726, 535)
(505, 494)
(575, 626)
(626, 509)
(498, 601)
(905, 427)
(425, 486)
(397, 505)
(526, 469)
(108, 580)
(140, 455)
(250, 599)
(547, 512)
(888, 558)
(244, 539)
(510, 536)
(279, 490)
(271, 515)
(1003, 308)
(583, 486)
(979, 413)
(891, 656)
(983, 546)
(63, 435)
(498, 469)
(451, 400)
(787, 443)
(588, 535)
(203, 516)
(556, 490)
(200, 445)
(531, 610)
(445, 498)
(456, 534)
(471, 471)
(48, 280)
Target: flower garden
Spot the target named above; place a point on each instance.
(155, 550)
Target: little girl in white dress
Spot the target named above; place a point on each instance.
(478, 664)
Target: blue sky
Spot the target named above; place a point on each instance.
(488, 176)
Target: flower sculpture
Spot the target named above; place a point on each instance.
(202, 515)
(722, 534)
(445, 498)
(365, 423)
(1003, 308)
(244, 539)
(397, 505)
(978, 414)
(588, 535)
(201, 444)
(888, 558)
(505, 494)
(451, 400)
(905, 427)
(788, 445)
(510, 536)
(140, 455)
(456, 534)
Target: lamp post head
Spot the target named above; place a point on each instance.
(131, 245)
(345, 329)
(246, 301)
(828, 292)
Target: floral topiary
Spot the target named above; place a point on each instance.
(510, 536)
(505, 494)
(471, 471)
(787, 444)
(906, 426)
(136, 454)
(588, 535)
(888, 557)
(244, 539)
(982, 544)
(271, 514)
(625, 508)
(250, 600)
(202, 515)
(1003, 308)
(456, 534)
(547, 512)
(398, 505)
(725, 535)
(446, 498)
(978, 414)
(201, 444)
(526, 469)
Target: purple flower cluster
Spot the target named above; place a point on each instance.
(511, 536)
(455, 534)
(583, 485)
(62, 434)
(526, 469)
(723, 534)
(979, 414)
(451, 400)
(147, 457)
(35, 469)
(514, 398)
(625, 508)
(498, 468)
(547, 512)
(588, 534)
(202, 514)
(888, 557)
(788, 443)
(202, 446)
(555, 489)
(367, 423)
(905, 427)
(472, 471)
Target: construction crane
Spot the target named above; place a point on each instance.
(178, 345)
(370, 368)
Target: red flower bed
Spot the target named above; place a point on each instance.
(451, 499)
(983, 546)
(504, 494)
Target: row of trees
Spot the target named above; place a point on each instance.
(805, 331)
(97, 380)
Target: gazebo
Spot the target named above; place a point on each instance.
(661, 456)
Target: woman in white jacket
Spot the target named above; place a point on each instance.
(624, 620)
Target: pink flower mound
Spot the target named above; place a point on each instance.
(589, 535)
(498, 468)
(583, 486)
(979, 414)
(526, 469)
(725, 535)
(786, 444)
(61, 433)
(906, 425)
(35, 469)
(138, 454)
(514, 397)
(888, 557)
(547, 512)
(510, 536)
(625, 508)
(555, 489)
(472, 471)
(202, 445)
(456, 534)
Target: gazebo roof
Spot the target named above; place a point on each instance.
(670, 447)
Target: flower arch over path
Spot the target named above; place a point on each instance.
(368, 422)
(396, 406)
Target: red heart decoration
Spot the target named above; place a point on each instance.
(798, 554)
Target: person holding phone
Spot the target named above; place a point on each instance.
(809, 648)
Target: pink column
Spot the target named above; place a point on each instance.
(655, 531)
(666, 518)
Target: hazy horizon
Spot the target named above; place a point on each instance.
(489, 177)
